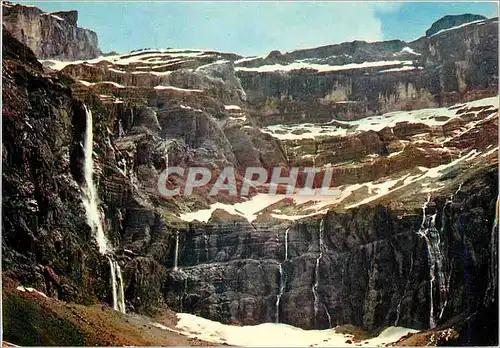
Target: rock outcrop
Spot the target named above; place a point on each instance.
(50, 35)
(44, 228)
(448, 22)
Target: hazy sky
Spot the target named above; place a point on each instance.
(255, 28)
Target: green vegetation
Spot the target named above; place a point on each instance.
(26, 323)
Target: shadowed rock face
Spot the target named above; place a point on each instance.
(373, 273)
(50, 35)
(375, 268)
(43, 222)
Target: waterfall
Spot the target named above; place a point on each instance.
(121, 293)
(286, 243)
(176, 255)
(328, 316)
(120, 128)
(166, 158)
(316, 269)
(491, 292)
(431, 236)
(281, 290)
(282, 278)
(398, 311)
(113, 283)
(90, 198)
(117, 286)
(90, 202)
(285, 150)
(205, 238)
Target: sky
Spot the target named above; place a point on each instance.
(256, 28)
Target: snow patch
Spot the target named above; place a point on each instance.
(232, 107)
(88, 84)
(404, 68)
(190, 108)
(277, 335)
(409, 50)
(26, 289)
(248, 59)
(172, 88)
(324, 67)
(458, 26)
(53, 16)
(375, 123)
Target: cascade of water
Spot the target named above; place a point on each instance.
(316, 269)
(120, 293)
(328, 316)
(205, 238)
(285, 149)
(282, 277)
(281, 290)
(286, 243)
(398, 312)
(492, 276)
(90, 198)
(176, 255)
(432, 238)
(90, 202)
(120, 128)
(166, 158)
(113, 283)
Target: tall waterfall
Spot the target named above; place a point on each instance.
(286, 243)
(431, 236)
(206, 240)
(285, 150)
(90, 202)
(120, 128)
(90, 198)
(491, 291)
(281, 290)
(316, 269)
(176, 255)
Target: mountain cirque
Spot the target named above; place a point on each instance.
(403, 126)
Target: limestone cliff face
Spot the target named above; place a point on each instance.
(50, 35)
(362, 259)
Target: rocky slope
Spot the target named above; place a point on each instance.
(50, 35)
(410, 131)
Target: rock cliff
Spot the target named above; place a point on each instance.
(410, 131)
(50, 35)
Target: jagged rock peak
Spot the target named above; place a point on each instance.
(450, 21)
(50, 35)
